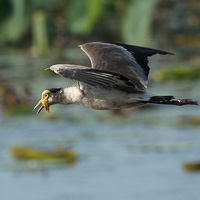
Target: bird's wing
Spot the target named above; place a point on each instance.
(94, 77)
(129, 61)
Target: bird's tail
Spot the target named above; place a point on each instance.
(170, 100)
(161, 99)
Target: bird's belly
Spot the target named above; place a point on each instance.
(97, 104)
(106, 104)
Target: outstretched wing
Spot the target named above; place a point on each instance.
(129, 61)
(118, 66)
(94, 77)
(141, 55)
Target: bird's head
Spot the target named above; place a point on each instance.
(49, 97)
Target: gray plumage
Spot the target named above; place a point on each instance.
(121, 67)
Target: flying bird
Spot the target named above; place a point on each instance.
(117, 78)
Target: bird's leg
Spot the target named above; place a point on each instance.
(179, 102)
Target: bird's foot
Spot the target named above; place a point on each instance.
(187, 101)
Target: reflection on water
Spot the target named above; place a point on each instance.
(138, 156)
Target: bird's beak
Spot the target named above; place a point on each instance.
(44, 102)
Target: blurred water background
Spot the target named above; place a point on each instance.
(146, 153)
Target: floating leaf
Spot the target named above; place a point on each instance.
(27, 153)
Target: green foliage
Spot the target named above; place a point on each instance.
(44, 4)
(39, 32)
(136, 25)
(42, 18)
(82, 15)
(5, 9)
(15, 24)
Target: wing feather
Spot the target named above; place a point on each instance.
(119, 66)
(94, 77)
(127, 60)
(85, 75)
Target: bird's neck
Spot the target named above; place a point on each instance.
(71, 95)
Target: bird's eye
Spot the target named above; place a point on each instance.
(46, 95)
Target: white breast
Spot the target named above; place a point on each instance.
(100, 99)
(104, 99)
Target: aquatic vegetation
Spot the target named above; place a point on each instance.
(42, 23)
(191, 166)
(21, 108)
(29, 153)
(82, 15)
(134, 32)
(14, 102)
(177, 72)
(190, 120)
(39, 32)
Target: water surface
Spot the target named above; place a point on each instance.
(138, 156)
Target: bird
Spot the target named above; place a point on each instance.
(117, 79)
